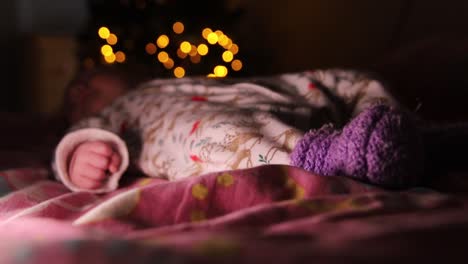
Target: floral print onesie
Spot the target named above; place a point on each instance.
(177, 128)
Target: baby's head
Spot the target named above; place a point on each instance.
(91, 91)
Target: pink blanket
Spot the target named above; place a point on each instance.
(274, 214)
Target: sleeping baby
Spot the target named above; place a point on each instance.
(330, 122)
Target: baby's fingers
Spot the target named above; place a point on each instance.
(98, 161)
(115, 162)
(94, 173)
(86, 183)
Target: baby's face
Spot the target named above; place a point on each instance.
(90, 99)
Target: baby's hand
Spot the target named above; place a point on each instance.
(90, 163)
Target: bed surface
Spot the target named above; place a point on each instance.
(274, 214)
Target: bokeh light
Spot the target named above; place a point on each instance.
(169, 64)
(120, 57)
(212, 38)
(185, 47)
(112, 39)
(162, 41)
(163, 56)
(106, 50)
(202, 49)
(234, 49)
(150, 48)
(228, 56)
(228, 44)
(179, 72)
(220, 71)
(236, 65)
(103, 32)
(110, 59)
(223, 40)
(185, 50)
(178, 27)
(206, 32)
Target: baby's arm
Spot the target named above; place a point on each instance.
(78, 149)
(92, 163)
(73, 150)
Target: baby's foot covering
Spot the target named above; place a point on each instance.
(380, 146)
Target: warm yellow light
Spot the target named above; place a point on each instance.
(185, 47)
(206, 32)
(163, 56)
(110, 59)
(202, 49)
(193, 51)
(103, 32)
(181, 54)
(211, 75)
(228, 44)
(151, 48)
(162, 41)
(219, 33)
(120, 57)
(234, 49)
(106, 50)
(169, 64)
(195, 59)
(223, 40)
(228, 56)
(220, 71)
(112, 39)
(236, 65)
(212, 38)
(179, 72)
(178, 27)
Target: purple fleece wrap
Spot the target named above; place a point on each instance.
(380, 146)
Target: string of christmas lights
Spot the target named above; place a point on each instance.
(185, 50)
(164, 38)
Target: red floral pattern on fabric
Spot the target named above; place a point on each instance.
(199, 98)
(195, 158)
(195, 127)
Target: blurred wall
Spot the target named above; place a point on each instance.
(430, 18)
(36, 43)
(298, 34)
(295, 35)
(9, 90)
(56, 17)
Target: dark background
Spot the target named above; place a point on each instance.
(420, 47)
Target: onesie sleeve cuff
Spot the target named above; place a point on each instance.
(68, 144)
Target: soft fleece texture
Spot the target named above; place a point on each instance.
(68, 144)
(381, 146)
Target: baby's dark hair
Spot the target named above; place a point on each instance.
(83, 78)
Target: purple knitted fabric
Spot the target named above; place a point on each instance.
(380, 146)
